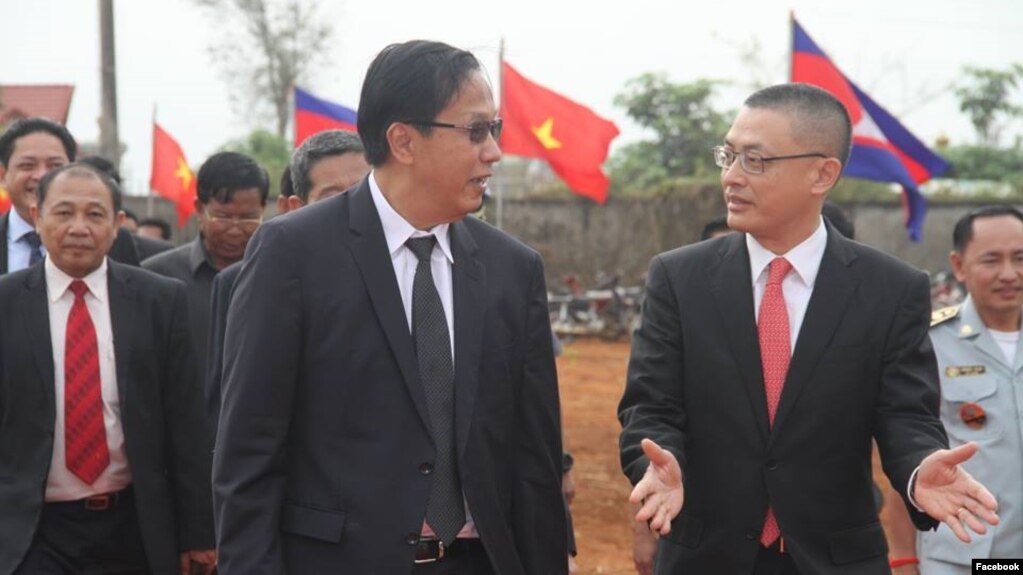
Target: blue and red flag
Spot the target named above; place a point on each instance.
(314, 115)
(883, 149)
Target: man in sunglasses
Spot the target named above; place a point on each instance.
(390, 401)
(232, 190)
(768, 359)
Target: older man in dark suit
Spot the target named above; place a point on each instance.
(104, 461)
(390, 400)
(766, 362)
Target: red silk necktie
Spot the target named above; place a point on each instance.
(85, 438)
(775, 352)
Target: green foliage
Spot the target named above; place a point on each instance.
(852, 190)
(986, 98)
(685, 126)
(265, 48)
(269, 150)
(986, 163)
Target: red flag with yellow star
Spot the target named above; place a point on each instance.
(171, 177)
(542, 124)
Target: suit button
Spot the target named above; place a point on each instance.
(426, 468)
(752, 535)
(412, 538)
(772, 464)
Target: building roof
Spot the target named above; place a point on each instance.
(47, 100)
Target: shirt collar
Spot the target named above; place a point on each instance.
(58, 282)
(805, 257)
(197, 256)
(17, 226)
(397, 230)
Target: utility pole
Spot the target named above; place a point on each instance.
(109, 142)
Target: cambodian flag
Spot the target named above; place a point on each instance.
(314, 115)
(883, 149)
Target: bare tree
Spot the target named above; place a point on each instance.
(267, 46)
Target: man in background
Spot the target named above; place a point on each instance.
(232, 192)
(28, 149)
(326, 164)
(980, 363)
(105, 466)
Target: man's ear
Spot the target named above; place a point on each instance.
(955, 259)
(33, 212)
(294, 203)
(826, 175)
(401, 140)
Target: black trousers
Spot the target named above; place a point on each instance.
(74, 540)
(470, 560)
(771, 561)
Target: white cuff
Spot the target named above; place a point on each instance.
(909, 489)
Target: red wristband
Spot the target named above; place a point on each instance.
(903, 561)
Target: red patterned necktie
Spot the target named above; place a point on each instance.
(775, 352)
(85, 438)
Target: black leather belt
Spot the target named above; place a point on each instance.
(430, 550)
(100, 502)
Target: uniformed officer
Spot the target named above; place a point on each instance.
(980, 361)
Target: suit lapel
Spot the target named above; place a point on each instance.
(35, 315)
(121, 297)
(469, 288)
(369, 248)
(733, 295)
(834, 286)
(4, 224)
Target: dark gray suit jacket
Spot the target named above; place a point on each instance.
(161, 412)
(324, 449)
(862, 369)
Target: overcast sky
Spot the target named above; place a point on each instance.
(905, 54)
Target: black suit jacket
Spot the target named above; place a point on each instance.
(323, 454)
(161, 412)
(4, 224)
(862, 368)
(220, 303)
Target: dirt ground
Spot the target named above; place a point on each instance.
(592, 376)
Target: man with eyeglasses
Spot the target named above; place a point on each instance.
(232, 191)
(390, 399)
(769, 359)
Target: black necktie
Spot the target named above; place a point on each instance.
(445, 512)
(33, 241)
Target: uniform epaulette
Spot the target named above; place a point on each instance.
(944, 314)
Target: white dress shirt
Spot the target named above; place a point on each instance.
(397, 231)
(18, 251)
(797, 287)
(61, 484)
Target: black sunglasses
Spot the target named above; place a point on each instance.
(478, 131)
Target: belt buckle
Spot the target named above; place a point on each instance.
(440, 552)
(98, 502)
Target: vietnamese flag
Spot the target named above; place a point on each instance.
(542, 124)
(314, 115)
(171, 177)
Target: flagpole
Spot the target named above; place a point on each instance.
(792, 40)
(149, 186)
(499, 192)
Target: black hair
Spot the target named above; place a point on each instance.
(816, 115)
(26, 126)
(79, 169)
(838, 218)
(713, 226)
(224, 173)
(405, 82)
(165, 229)
(104, 165)
(287, 185)
(962, 233)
